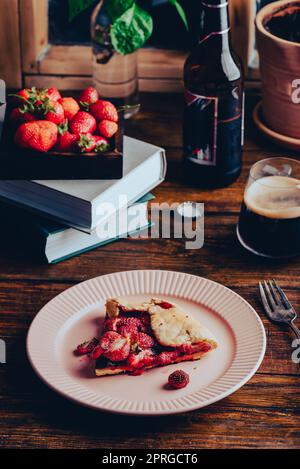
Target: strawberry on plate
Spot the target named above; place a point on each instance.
(104, 110)
(178, 379)
(39, 135)
(70, 106)
(115, 347)
(142, 359)
(89, 96)
(87, 347)
(107, 128)
(83, 123)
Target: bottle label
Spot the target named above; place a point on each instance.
(213, 128)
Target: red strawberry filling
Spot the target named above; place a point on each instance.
(115, 347)
(111, 324)
(87, 346)
(195, 348)
(165, 305)
(167, 357)
(130, 327)
(145, 341)
(97, 352)
(142, 359)
(128, 343)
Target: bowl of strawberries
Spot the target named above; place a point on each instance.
(50, 136)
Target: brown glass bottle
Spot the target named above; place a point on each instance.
(213, 116)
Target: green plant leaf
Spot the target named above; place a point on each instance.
(131, 30)
(78, 6)
(180, 11)
(116, 8)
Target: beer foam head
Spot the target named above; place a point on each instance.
(274, 197)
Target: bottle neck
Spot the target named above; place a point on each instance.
(215, 25)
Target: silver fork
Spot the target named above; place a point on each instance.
(277, 306)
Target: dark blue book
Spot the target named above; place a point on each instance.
(52, 242)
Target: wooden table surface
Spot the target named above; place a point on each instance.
(262, 414)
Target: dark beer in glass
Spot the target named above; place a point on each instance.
(269, 223)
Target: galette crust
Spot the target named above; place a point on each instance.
(117, 370)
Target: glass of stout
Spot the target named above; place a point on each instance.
(269, 223)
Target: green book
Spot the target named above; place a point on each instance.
(52, 242)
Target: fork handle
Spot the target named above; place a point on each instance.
(295, 329)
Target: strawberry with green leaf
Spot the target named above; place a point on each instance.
(86, 143)
(53, 111)
(66, 142)
(53, 94)
(89, 96)
(102, 144)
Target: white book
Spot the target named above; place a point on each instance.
(76, 203)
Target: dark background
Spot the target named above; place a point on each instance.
(169, 31)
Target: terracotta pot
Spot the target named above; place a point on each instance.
(280, 72)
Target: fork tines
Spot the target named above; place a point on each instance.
(272, 296)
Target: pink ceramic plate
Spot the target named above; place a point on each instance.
(77, 314)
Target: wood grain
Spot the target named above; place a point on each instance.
(34, 33)
(262, 414)
(65, 82)
(10, 54)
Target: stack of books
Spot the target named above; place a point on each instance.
(61, 219)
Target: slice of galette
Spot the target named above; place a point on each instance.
(154, 333)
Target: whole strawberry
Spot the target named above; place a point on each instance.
(39, 135)
(83, 123)
(53, 94)
(66, 142)
(178, 379)
(102, 144)
(89, 96)
(70, 107)
(86, 143)
(107, 128)
(26, 95)
(18, 117)
(104, 110)
(54, 112)
(23, 95)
